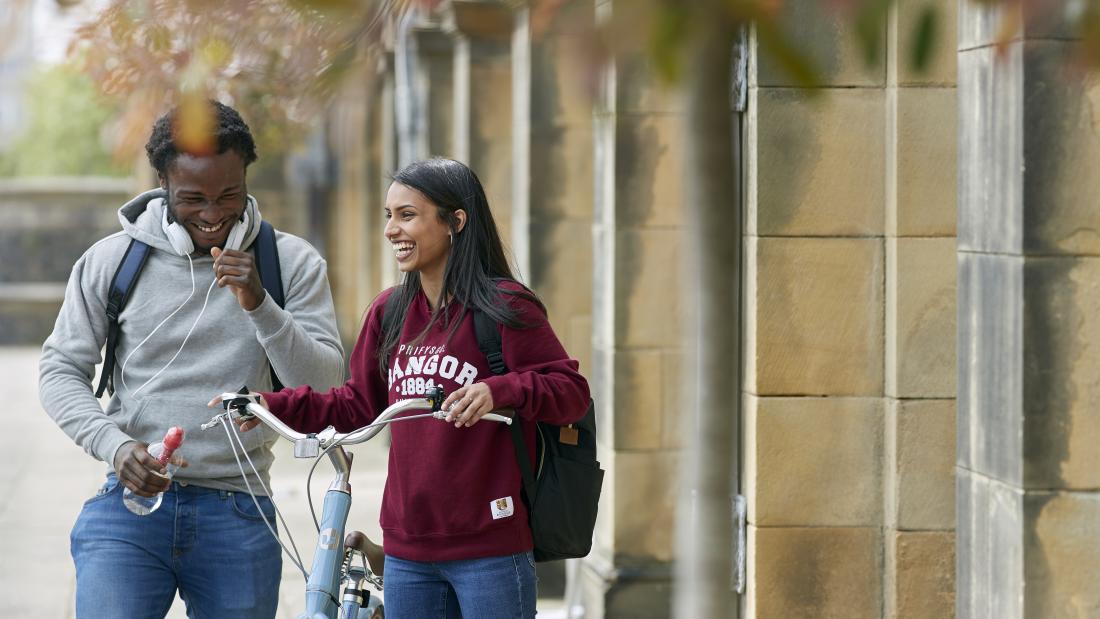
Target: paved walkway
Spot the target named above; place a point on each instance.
(45, 479)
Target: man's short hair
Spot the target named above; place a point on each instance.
(231, 131)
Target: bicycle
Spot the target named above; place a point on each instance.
(336, 584)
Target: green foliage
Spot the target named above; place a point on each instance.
(925, 39)
(870, 23)
(671, 30)
(798, 65)
(62, 137)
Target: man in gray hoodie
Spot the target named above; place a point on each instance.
(198, 321)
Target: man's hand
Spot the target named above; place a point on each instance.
(237, 269)
(139, 471)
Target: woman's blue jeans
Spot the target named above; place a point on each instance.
(209, 544)
(491, 588)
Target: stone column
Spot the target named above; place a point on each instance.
(349, 234)
(360, 260)
(435, 50)
(814, 326)
(920, 320)
(559, 185)
(424, 88)
(1029, 316)
(550, 223)
(636, 345)
(482, 135)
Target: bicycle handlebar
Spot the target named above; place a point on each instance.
(329, 435)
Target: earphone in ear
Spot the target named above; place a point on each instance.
(181, 240)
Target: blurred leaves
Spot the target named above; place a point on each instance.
(63, 135)
(925, 38)
(870, 21)
(796, 64)
(670, 31)
(277, 61)
(281, 61)
(663, 27)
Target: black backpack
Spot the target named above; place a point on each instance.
(267, 263)
(563, 493)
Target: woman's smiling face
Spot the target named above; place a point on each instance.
(421, 239)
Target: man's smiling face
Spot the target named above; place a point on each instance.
(206, 195)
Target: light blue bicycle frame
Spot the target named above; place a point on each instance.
(325, 578)
(323, 587)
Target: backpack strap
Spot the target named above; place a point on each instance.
(488, 340)
(267, 261)
(271, 276)
(117, 295)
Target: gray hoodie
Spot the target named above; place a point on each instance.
(228, 348)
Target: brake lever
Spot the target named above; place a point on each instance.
(436, 396)
(240, 403)
(233, 403)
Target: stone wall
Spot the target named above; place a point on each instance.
(849, 289)
(850, 313)
(1028, 508)
(920, 321)
(636, 335)
(48, 224)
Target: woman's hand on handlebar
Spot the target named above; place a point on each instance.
(244, 423)
(467, 405)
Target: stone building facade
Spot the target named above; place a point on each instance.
(850, 327)
(851, 282)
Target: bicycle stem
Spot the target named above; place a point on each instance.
(341, 461)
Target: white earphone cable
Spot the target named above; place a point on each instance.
(186, 337)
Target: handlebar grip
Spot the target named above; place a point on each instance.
(496, 417)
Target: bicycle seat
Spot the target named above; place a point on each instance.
(376, 559)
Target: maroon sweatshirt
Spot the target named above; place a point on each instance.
(451, 493)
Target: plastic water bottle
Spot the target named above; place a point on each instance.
(162, 451)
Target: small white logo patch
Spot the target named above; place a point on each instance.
(501, 508)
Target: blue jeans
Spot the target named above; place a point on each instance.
(210, 544)
(491, 588)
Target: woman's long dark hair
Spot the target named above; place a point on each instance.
(476, 264)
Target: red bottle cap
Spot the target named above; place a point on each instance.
(172, 440)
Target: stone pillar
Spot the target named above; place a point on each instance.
(435, 61)
(919, 478)
(482, 135)
(349, 234)
(814, 326)
(1029, 316)
(560, 185)
(550, 223)
(424, 89)
(360, 260)
(636, 345)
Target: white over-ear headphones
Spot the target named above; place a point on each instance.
(181, 240)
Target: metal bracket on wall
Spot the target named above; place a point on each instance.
(737, 574)
(739, 66)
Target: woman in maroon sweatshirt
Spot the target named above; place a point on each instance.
(456, 535)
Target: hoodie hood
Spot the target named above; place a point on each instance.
(141, 219)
